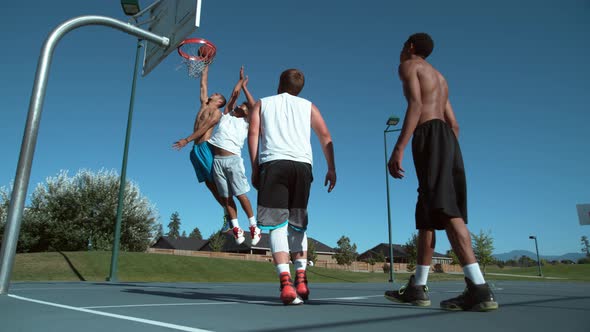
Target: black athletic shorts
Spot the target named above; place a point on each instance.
(283, 193)
(442, 188)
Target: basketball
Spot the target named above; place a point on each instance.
(206, 51)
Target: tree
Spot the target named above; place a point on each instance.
(216, 241)
(159, 231)
(526, 261)
(69, 213)
(311, 253)
(174, 226)
(585, 245)
(483, 248)
(411, 248)
(345, 253)
(455, 259)
(376, 256)
(183, 234)
(196, 234)
(4, 202)
(379, 257)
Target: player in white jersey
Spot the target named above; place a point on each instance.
(281, 156)
(228, 166)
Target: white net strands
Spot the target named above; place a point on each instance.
(196, 63)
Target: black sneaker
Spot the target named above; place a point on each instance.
(410, 293)
(474, 298)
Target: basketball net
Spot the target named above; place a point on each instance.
(194, 60)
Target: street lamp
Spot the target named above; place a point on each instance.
(532, 237)
(392, 121)
(130, 7)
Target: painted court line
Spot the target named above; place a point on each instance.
(366, 297)
(59, 288)
(155, 305)
(100, 313)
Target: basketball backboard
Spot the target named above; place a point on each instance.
(175, 19)
(584, 213)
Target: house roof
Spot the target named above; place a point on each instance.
(398, 251)
(230, 245)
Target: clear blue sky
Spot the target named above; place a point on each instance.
(518, 76)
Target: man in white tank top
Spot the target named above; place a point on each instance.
(281, 156)
(229, 173)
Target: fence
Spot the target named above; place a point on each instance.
(354, 267)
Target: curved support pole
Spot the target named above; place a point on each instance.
(23, 171)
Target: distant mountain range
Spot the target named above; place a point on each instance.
(516, 254)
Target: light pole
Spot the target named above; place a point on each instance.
(533, 237)
(392, 121)
(131, 8)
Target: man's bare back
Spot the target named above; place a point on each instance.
(427, 94)
(434, 91)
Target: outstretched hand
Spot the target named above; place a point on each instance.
(181, 143)
(330, 179)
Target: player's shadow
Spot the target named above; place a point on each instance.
(221, 297)
(259, 300)
(313, 272)
(72, 267)
(147, 285)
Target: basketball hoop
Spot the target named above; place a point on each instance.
(197, 53)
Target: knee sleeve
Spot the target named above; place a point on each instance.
(297, 240)
(278, 240)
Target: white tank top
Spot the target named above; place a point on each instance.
(285, 124)
(230, 134)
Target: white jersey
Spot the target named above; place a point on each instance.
(230, 134)
(285, 124)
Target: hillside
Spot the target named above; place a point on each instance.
(516, 254)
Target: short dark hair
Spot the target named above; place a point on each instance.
(291, 81)
(222, 99)
(422, 42)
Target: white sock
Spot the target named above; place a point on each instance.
(421, 276)
(283, 268)
(473, 272)
(300, 264)
(235, 223)
(252, 221)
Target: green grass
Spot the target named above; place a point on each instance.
(572, 272)
(95, 266)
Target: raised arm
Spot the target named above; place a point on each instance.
(251, 101)
(411, 85)
(321, 130)
(253, 137)
(231, 104)
(204, 77)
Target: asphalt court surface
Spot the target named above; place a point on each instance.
(94, 306)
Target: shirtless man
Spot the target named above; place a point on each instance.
(442, 193)
(201, 155)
